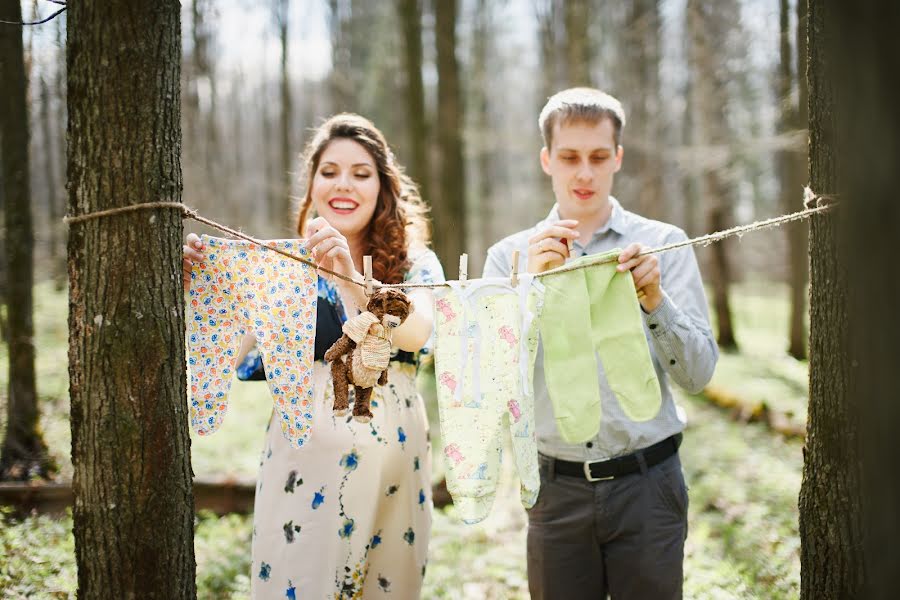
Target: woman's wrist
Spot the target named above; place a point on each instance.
(354, 293)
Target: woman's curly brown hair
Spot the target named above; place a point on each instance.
(399, 221)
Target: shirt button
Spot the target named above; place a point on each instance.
(672, 362)
(590, 444)
(652, 325)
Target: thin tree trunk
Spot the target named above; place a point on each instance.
(548, 17)
(340, 82)
(721, 278)
(705, 30)
(481, 211)
(791, 164)
(134, 509)
(59, 148)
(798, 235)
(287, 111)
(644, 165)
(54, 208)
(23, 454)
(416, 155)
(4, 330)
(578, 54)
(449, 210)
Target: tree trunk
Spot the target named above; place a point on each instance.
(54, 197)
(287, 112)
(791, 164)
(706, 31)
(59, 149)
(578, 53)
(799, 235)
(721, 278)
(851, 486)
(482, 210)
(416, 155)
(643, 169)
(24, 453)
(4, 330)
(547, 13)
(133, 513)
(449, 210)
(830, 504)
(340, 82)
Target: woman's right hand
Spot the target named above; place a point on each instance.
(192, 252)
(329, 248)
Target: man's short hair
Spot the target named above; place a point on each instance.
(581, 104)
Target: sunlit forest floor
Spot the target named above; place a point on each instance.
(744, 481)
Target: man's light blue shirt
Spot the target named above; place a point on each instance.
(681, 341)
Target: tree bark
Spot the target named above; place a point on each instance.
(851, 486)
(449, 210)
(133, 514)
(24, 454)
(830, 506)
(416, 155)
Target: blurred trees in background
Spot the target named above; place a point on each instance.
(711, 89)
(23, 453)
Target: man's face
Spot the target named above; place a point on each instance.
(581, 164)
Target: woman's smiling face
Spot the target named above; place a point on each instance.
(346, 186)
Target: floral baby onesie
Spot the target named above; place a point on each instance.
(241, 288)
(483, 368)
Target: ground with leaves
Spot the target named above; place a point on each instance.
(743, 477)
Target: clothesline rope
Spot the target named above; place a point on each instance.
(813, 203)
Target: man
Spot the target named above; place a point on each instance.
(611, 517)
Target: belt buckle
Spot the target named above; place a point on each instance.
(587, 471)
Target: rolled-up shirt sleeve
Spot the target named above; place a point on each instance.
(679, 327)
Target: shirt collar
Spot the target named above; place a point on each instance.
(618, 218)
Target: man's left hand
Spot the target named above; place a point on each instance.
(645, 271)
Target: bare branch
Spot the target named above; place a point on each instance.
(63, 9)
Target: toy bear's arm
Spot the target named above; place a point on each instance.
(339, 348)
(382, 379)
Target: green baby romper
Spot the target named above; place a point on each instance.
(588, 315)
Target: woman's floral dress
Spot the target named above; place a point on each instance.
(348, 515)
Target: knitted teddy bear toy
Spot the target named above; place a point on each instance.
(360, 357)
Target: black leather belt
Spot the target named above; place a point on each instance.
(603, 470)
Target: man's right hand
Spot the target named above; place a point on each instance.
(192, 252)
(549, 248)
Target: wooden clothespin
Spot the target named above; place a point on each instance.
(463, 268)
(367, 273)
(514, 277)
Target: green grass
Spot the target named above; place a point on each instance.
(744, 482)
(762, 371)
